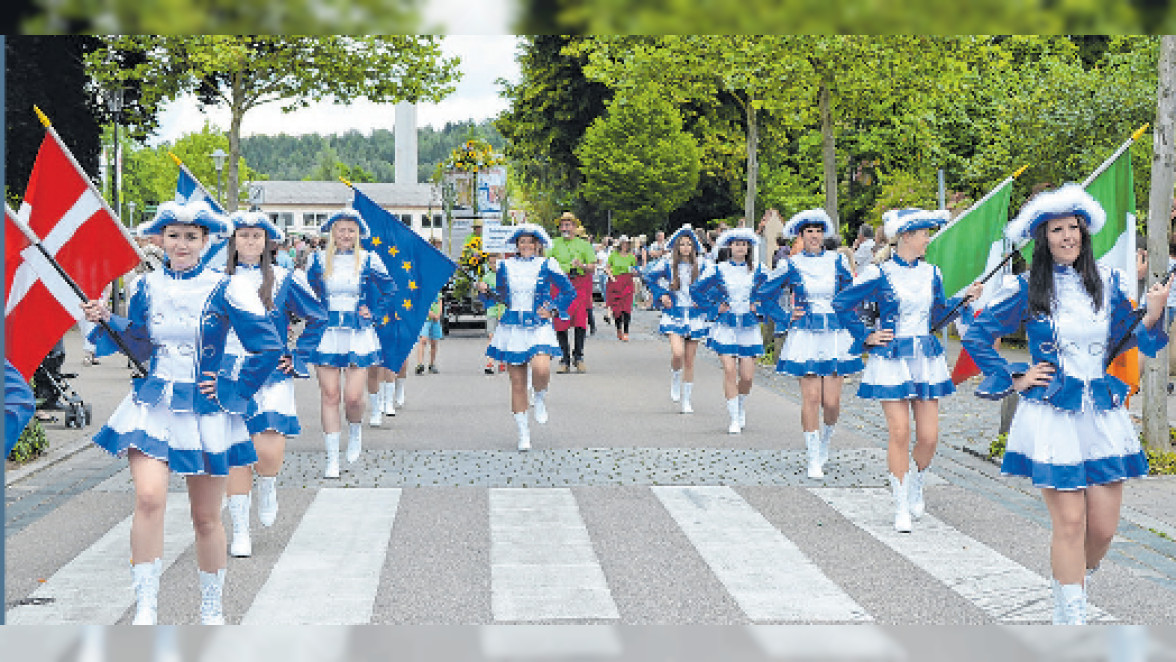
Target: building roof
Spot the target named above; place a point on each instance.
(338, 194)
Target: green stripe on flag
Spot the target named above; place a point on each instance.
(1114, 189)
(961, 250)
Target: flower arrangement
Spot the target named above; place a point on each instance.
(473, 155)
(473, 263)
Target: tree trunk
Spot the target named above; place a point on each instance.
(236, 114)
(752, 165)
(1155, 372)
(828, 153)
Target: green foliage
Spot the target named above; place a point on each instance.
(900, 190)
(638, 161)
(996, 449)
(1161, 462)
(31, 444)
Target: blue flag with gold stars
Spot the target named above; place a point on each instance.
(420, 271)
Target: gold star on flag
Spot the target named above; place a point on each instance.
(386, 319)
(376, 241)
(407, 265)
(412, 285)
(393, 250)
(407, 304)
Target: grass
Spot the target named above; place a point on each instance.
(1161, 462)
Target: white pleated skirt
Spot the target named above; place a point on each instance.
(919, 377)
(343, 347)
(516, 344)
(742, 341)
(819, 353)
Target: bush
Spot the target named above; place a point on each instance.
(1161, 462)
(996, 449)
(31, 443)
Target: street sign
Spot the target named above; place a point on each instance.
(256, 194)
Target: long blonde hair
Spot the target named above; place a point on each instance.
(329, 263)
(675, 258)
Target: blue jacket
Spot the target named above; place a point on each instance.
(549, 275)
(714, 288)
(377, 290)
(797, 273)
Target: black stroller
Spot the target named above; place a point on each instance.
(52, 390)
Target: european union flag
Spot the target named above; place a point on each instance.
(420, 271)
(189, 189)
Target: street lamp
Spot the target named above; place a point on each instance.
(131, 212)
(114, 102)
(218, 160)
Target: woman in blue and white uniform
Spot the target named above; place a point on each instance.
(525, 336)
(177, 322)
(356, 289)
(270, 415)
(817, 349)
(682, 321)
(907, 370)
(733, 293)
(1071, 435)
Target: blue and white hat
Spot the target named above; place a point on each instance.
(191, 213)
(256, 219)
(684, 231)
(532, 229)
(737, 234)
(898, 221)
(346, 214)
(809, 217)
(1069, 200)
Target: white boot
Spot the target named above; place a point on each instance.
(742, 398)
(524, 431)
(541, 406)
(675, 385)
(239, 514)
(812, 443)
(145, 581)
(916, 478)
(687, 389)
(354, 442)
(332, 471)
(388, 397)
(826, 438)
(733, 410)
(400, 392)
(267, 499)
(902, 509)
(212, 585)
(1069, 604)
(375, 410)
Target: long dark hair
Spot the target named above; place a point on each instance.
(266, 291)
(675, 260)
(1041, 281)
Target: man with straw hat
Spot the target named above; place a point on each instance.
(577, 259)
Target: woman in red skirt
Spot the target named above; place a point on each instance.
(618, 293)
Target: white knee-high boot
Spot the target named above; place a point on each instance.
(902, 509)
(524, 431)
(918, 506)
(687, 390)
(212, 586)
(354, 442)
(145, 581)
(239, 513)
(400, 391)
(675, 385)
(267, 499)
(742, 398)
(332, 441)
(375, 408)
(541, 406)
(826, 439)
(812, 444)
(388, 397)
(733, 411)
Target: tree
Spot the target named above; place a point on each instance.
(638, 160)
(245, 72)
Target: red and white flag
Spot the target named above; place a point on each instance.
(79, 232)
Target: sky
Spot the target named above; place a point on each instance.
(484, 58)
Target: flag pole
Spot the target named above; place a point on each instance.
(982, 200)
(118, 221)
(1119, 152)
(32, 237)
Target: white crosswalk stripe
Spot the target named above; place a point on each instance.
(95, 587)
(547, 642)
(1004, 589)
(542, 565)
(770, 578)
(276, 642)
(330, 570)
(862, 643)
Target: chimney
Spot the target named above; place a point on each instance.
(406, 143)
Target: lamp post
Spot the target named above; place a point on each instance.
(218, 160)
(131, 213)
(114, 102)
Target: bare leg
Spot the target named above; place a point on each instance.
(810, 408)
(1102, 519)
(691, 349)
(518, 387)
(328, 379)
(205, 494)
(354, 386)
(898, 425)
(746, 374)
(540, 373)
(1067, 513)
(150, 478)
(730, 377)
(677, 352)
(926, 431)
(831, 398)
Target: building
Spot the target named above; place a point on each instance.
(299, 208)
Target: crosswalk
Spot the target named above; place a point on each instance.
(551, 559)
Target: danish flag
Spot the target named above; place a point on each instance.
(82, 241)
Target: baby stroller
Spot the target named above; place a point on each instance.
(52, 390)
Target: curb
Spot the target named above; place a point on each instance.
(45, 461)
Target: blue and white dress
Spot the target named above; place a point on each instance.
(817, 343)
(735, 332)
(1075, 431)
(684, 317)
(349, 339)
(525, 285)
(910, 301)
(272, 407)
(177, 322)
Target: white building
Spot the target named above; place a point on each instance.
(301, 207)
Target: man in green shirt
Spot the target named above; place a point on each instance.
(577, 259)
